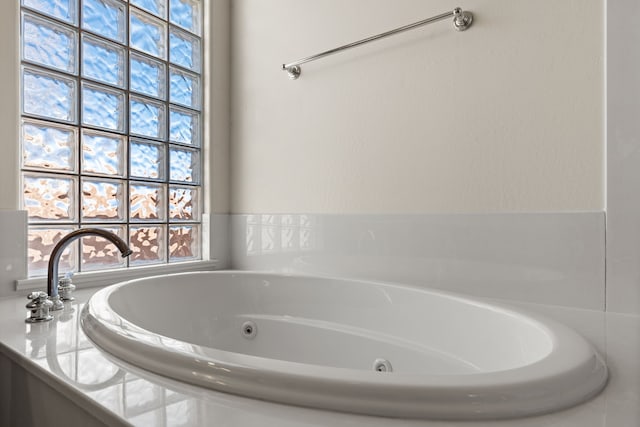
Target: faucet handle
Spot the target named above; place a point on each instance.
(66, 287)
(37, 297)
(39, 306)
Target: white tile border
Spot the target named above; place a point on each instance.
(546, 258)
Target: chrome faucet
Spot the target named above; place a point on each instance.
(54, 260)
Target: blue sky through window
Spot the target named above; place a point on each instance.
(111, 127)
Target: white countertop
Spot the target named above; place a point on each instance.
(59, 353)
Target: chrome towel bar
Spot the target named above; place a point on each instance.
(461, 21)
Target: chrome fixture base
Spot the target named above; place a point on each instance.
(39, 319)
(65, 288)
(56, 302)
(39, 308)
(462, 20)
(293, 72)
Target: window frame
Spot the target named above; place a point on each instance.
(104, 275)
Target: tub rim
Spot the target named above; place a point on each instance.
(465, 396)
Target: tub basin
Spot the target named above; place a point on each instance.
(348, 345)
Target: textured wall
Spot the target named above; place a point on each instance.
(507, 116)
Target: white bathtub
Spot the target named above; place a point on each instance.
(315, 342)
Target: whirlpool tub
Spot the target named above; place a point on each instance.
(347, 345)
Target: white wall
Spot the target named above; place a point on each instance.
(507, 116)
(623, 156)
(13, 249)
(217, 98)
(9, 107)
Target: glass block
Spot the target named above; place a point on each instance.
(103, 61)
(109, 396)
(147, 34)
(184, 50)
(251, 239)
(184, 242)
(148, 245)
(183, 412)
(93, 369)
(184, 165)
(40, 242)
(65, 10)
(67, 361)
(157, 7)
(147, 202)
(184, 204)
(48, 146)
(307, 239)
(103, 153)
(47, 43)
(147, 159)
(99, 253)
(289, 220)
(147, 118)
(142, 397)
(186, 13)
(102, 107)
(151, 417)
(270, 219)
(49, 198)
(66, 336)
(184, 88)
(184, 126)
(48, 95)
(103, 200)
(147, 76)
(289, 238)
(105, 17)
(307, 221)
(269, 239)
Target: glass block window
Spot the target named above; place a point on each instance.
(111, 129)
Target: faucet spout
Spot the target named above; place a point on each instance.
(56, 253)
